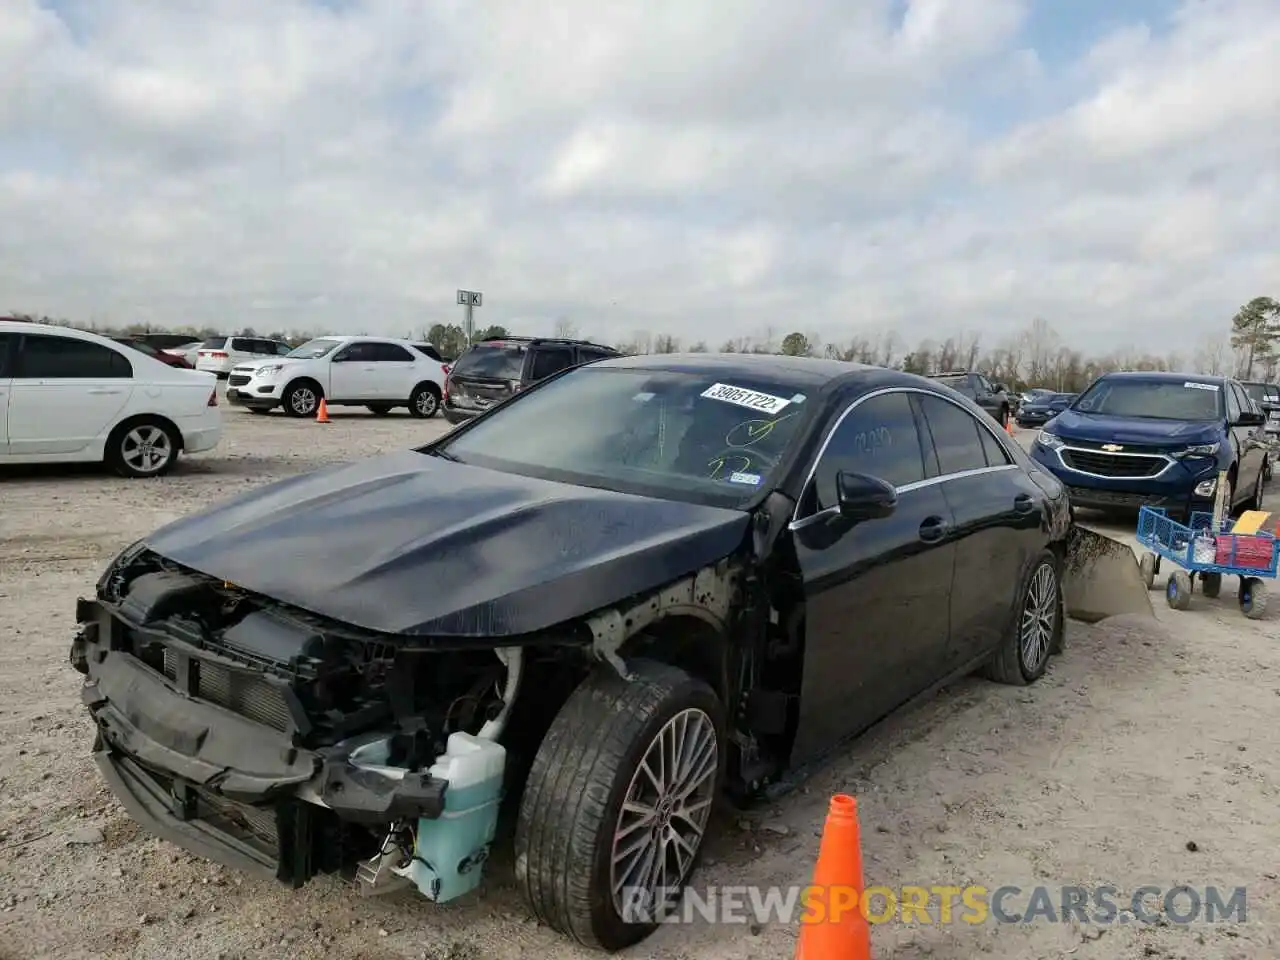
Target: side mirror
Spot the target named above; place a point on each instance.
(860, 497)
(1248, 418)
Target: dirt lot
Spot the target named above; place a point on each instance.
(1148, 755)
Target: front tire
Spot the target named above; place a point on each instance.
(1036, 630)
(603, 834)
(143, 448)
(302, 399)
(1177, 590)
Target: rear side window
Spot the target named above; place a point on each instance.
(588, 354)
(549, 360)
(492, 361)
(390, 353)
(66, 358)
(956, 436)
(214, 343)
(429, 350)
(997, 456)
(7, 344)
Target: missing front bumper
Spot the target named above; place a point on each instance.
(224, 786)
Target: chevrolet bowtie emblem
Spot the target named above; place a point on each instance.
(1111, 447)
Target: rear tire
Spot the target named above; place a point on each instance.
(588, 791)
(1259, 491)
(1148, 568)
(1177, 590)
(1211, 585)
(1253, 598)
(146, 447)
(424, 403)
(1036, 630)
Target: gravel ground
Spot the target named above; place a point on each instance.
(1146, 756)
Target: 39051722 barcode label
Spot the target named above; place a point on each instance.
(751, 399)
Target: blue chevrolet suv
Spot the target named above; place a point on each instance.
(1159, 439)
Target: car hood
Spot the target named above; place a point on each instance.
(1075, 425)
(247, 365)
(410, 543)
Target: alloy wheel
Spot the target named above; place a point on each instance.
(146, 449)
(664, 814)
(426, 403)
(302, 401)
(1039, 617)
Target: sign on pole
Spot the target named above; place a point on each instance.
(469, 299)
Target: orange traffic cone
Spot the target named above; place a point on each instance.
(1008, 426)
(322, 412)
(837, 929)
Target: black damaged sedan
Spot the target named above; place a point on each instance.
(639, 585)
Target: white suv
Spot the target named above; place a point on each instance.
(380, 373)
(218, 355)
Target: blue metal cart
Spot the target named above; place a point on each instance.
(1197, 550)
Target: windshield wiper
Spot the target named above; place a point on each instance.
(444, 456)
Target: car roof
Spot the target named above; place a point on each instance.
(1163, 376)
(25, 326)
(810, 371)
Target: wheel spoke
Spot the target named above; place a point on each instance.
(663, 819)
(1039, 617)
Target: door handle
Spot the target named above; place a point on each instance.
(1024, 503)
(102, 393)
(933, 529)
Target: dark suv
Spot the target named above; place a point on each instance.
(991, 397)
(493, 370)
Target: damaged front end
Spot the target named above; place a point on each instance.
(284, 744)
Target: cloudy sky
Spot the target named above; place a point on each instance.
(695, 167)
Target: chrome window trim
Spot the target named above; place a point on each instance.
(799, 523)
(1168, 462)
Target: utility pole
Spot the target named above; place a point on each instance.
(469, 299)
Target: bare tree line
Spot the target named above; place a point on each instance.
(1037, 356)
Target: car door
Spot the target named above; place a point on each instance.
(65, 393)
(8, 348)
(1248, 440)
(396, 374)
(997, 515)
(548, 359)
(353, 373)
(876, 595)
(985, 394)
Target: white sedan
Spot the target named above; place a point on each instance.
(67, 396)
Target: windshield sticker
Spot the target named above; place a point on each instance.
(642, 397)
(751, 399)
(798, 398)
(751, 478)
(1201, 386)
